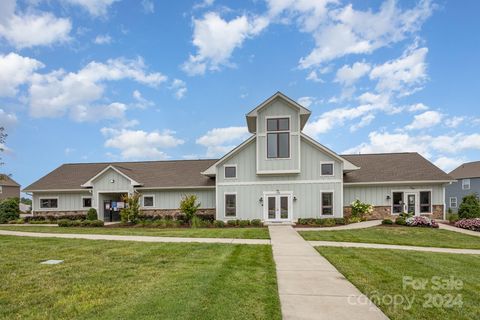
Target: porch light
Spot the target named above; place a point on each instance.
(294, 198)
(261, 200)
(388, 197)
(112, 181)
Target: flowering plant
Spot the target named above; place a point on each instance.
(470, 224)
(360, 209)
(421, 222)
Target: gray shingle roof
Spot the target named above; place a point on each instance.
(155, 174)
(384, 167)
(467, 170)
(6, 181)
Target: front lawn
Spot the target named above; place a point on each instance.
(237, 233)
(410, 236)
(380, 275)
(128, 280)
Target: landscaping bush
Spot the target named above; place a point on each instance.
(421, 222)
(470, 224)
(232, 223)
(196, 222)
(354, 219)
(387, 221)
(189, 206)
(453, 217)
(92, 214)
(18, 221)
(329, 222)
(400, 221)
(131, 212)
(208, 217)
(9, 210)
(340, 221)
(218, 224)
(256, 223)
(361, 210)
(470, 207)
(243, 223)
(51, 218)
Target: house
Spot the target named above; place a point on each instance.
(467, 181)
(278, 174)
(8, 188)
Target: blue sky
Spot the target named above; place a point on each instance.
(106, 80)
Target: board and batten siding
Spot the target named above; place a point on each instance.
(377, 195)
(71, 201)
(104, 183)
(170, 199)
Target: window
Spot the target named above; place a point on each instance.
(327, 169)
(278, 138)
(148, 201)
(425, 202)
(466, 184)
(87, 202)
(453, 202)
(230, 205)
(397, 202)
(230, 172)
(327, 203)
(49, 203)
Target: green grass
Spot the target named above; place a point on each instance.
(411, 236)
(379, 273)
(128, 280)
(238, 233)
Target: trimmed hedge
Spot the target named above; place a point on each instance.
(387, 221)
(65, 223)
(322, 222)
(54, 218)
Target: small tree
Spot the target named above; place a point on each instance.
(470, 207)
(9, 210)
(361, 210)
(92, 214)
(132, 208)
(189, 206)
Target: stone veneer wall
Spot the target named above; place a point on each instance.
(384, 212)
(172, 212)
(59, 213)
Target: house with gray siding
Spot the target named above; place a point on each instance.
(9, 188)
(279, 174)
(467, 181)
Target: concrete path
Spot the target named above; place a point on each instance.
(29, 225)
(310, 287)
(132, 238)
(391, 246)
(460, 230)
(358, 225)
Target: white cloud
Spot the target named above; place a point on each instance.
(313, 76)
(68, 151)
(25, 30)
(94, 7)
(454, 122)
(139, 144)
(347, 75)
(58, 92)
(141, 102)
(448, 163)
(180, 88)
(7, 119)
(148, 6)
(364, 121)
(216, 39)
(221, 140)
(15, 71)
(425, 120)
(417, 107)
(92, 113)
(306, 101)
(203, 4)
(103, 39)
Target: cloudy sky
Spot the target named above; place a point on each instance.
(111, 80)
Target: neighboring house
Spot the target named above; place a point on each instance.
(8, 188)
(278, 174)
(467, 178)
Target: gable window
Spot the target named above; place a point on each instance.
(278, 138)
(46, 203)
(230, 205)
(397, 202)
(453, 202)
(327, 203)
(466, 184)
(148, 201)
(230, 172)
(425, 202)
(87, 202)
(327, 169)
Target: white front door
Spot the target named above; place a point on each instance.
(411, 205)
(277, 207)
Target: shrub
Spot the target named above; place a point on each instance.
(340, 221)
(387, 221)
(18, 221)
(352, 219)
(131, 212)
(189, 206)
(421, 222)
(453, 217)
(9, 210)
(256, 223)
(92, 214)
(470, 224)
(400, 221)
(218, 224)
(329, 222)
(65, 223)
(319, 222)
(470, 207)
(232, 223)
(244, 223)
(207, 217)
(196, 222)
(361, 210)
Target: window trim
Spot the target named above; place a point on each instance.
(450, 202)
(403, 202)
(225, 171)
(430, 211)
(289, 132)
(464, 184)
(49, 198)
(87, 197)
(333, 168)
(225, 205)
(321, 203)
(417, 200)
(153, 200)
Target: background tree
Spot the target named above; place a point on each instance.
(470, 207)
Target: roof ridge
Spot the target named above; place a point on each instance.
(144, 161)
(379, 153)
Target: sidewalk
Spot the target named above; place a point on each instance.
(132, 238)
(310, 287)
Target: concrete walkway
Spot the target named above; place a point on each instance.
(132, 238)
(353, 226)
(460, 230)
(390, 246)
(310, 287)
(28, 225)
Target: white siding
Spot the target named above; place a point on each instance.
(104, 184)
(170, 199)
(66, 201)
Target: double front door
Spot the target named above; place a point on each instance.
(278, 207)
